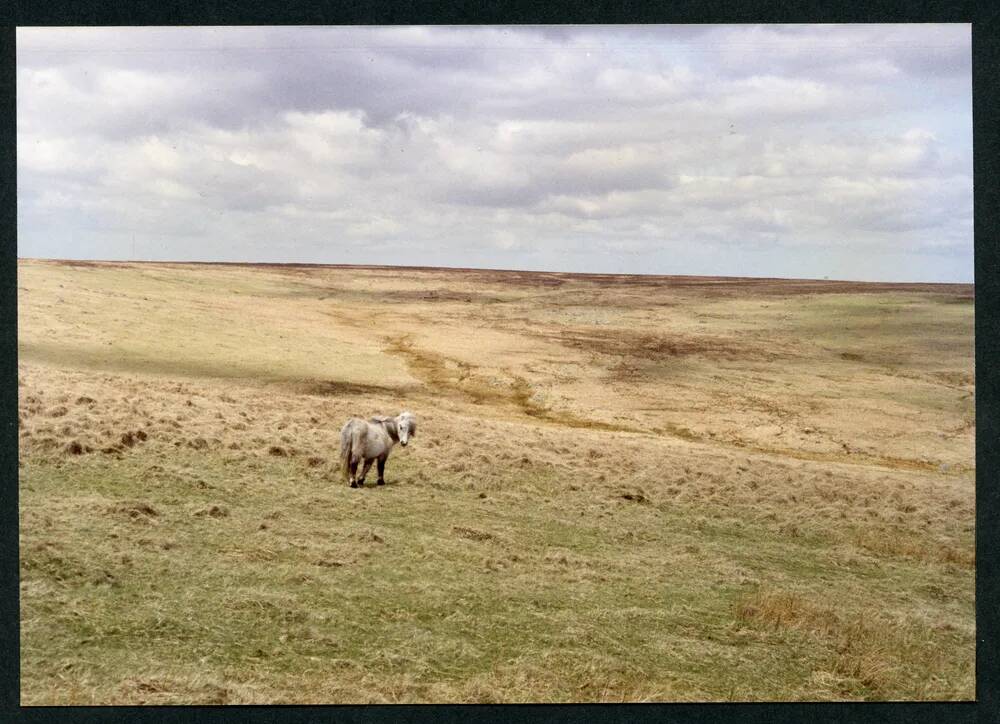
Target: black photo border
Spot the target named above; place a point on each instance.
(985, 19)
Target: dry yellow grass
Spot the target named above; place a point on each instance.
(623, 489)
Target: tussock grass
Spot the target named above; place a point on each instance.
(706, 527)
(866, 652)
(907, 545)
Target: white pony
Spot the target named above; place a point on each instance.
(371, 440)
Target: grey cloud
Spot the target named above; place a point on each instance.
(558, 142)
(508, 196)
(248, 82)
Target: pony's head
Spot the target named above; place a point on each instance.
(406, 426)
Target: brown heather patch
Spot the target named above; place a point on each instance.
(785, 609)
(212, 511)
(135, 510)
(644, 345)
(900, 544)
(335, 388)
(471, 533)
(865, 652)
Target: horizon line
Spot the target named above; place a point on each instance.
(417, 267)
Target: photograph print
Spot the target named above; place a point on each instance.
(495, 364)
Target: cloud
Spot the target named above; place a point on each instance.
(636, 148)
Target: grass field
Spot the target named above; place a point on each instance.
(622, 488)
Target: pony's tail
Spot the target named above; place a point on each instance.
(345, 452)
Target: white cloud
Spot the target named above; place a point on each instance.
(516, 145)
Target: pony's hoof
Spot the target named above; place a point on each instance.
(354, 485)
(380, 482)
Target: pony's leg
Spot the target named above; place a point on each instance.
(364, 471)
(381, 470)
(353, 467)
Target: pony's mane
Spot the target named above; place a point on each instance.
(412, 419)
(391, 423)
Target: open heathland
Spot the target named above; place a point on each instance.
(621, 489)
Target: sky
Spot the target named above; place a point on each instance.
(774, 151)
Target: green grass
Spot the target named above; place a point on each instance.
(296, 579)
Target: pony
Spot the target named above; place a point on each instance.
(371, 440)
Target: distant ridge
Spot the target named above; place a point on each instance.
(658, 279)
